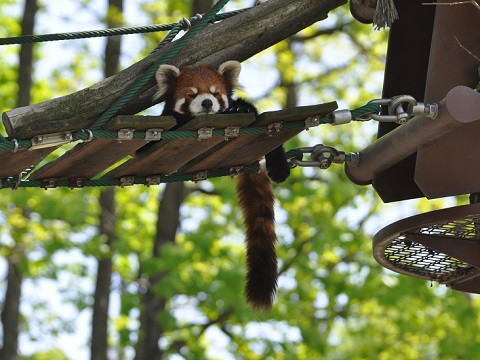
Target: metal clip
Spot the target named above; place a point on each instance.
(127, 181)
(186, 24)
(311, 122)
(90, 135)
(15, 145)
(50, 140)
(49, 184)
(153, 134)
(75, 183)
(199, 176)
(125, 134)
(153, 180)
(231, 132)
(274, 128)
(204, 133)
(235, 171)
(396, 111)
(341, 117)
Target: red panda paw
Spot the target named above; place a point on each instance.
(240, 106)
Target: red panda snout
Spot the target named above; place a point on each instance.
(205, 104)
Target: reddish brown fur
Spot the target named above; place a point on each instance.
(201, 77)
(254, 191)
(256, 198)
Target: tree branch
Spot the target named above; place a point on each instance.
(320, 32)
(237, 38)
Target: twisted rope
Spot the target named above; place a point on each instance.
(29, 39)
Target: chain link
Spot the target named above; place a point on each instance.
(323, 156)
(402, 108)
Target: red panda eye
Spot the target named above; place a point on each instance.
(215, 94)
(192, 96)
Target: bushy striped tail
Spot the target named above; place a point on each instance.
(255, 196)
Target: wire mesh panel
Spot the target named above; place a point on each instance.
(442, 245)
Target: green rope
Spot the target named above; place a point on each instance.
(107, 115)
(366, 109)
(28, 39)
(12, 183)
(83, 135)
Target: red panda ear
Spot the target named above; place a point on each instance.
(165, 76)
(230, 71)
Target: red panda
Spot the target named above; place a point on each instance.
(204, 89)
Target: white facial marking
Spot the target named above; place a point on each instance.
(194, 90)
(213, 88)
(178, 106)
(225, 100)
(196, 107)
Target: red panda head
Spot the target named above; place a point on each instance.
(199, 89)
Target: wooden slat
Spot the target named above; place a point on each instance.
(248, 149)
(91, 158)
(168, 156)
(14, 163)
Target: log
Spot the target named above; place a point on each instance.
(237, 38)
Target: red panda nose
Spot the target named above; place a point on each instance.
(207, 104)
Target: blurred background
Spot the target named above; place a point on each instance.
(158, 273)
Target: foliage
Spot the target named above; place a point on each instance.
(334, 301)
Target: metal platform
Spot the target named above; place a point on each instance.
(441, 245)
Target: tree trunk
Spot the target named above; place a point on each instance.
(168, 221)
(11, 305)
(108, 218)
(10, 312)
(237, 38)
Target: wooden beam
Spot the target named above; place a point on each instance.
(167, 156)
(89, 159)
(248, 149)
(237, 38)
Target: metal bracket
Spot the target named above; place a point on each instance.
(50, 140)
(274, 128)
(153, 180)
(75, 183)
(125, 134)
(153, 134)
(127, 181)
(199, 176)
(49, 184)
(232, 132)
(312, 122)
(204, 133)
(235, 171)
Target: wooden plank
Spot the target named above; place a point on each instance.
(91, 158)
(248, 149)
(14, 163)
(167, 156)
